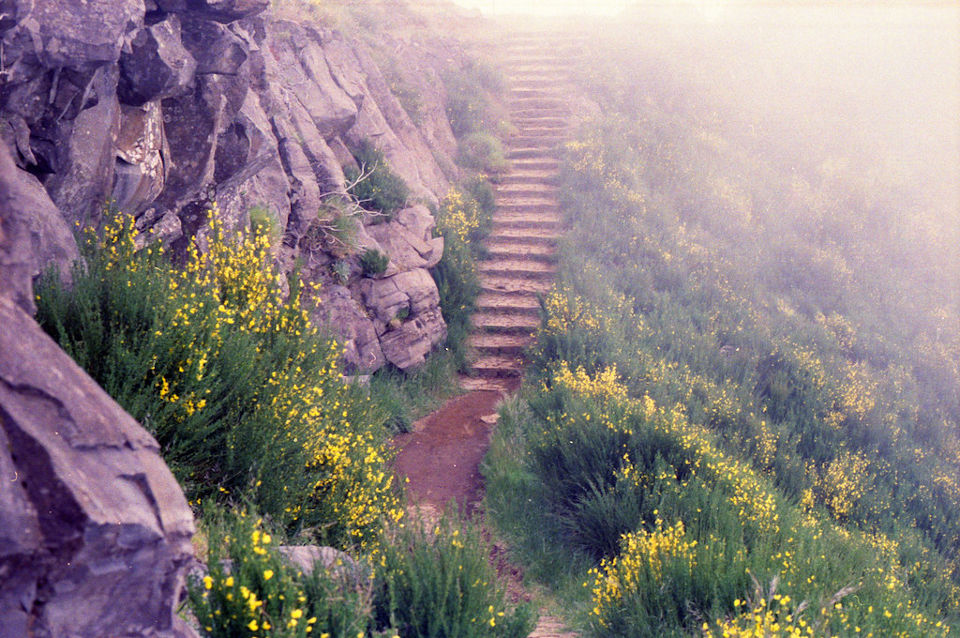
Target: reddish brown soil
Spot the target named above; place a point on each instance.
(441, 457)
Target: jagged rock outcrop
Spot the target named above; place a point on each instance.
(91, 519)
(164, 106)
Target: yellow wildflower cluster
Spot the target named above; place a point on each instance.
(566, 311)
(604, 385)
(841, 483)
(640, 564)
(459, 216)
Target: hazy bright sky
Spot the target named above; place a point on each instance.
(547, 7)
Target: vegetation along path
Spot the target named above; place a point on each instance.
(441, 457)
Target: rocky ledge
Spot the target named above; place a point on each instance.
(163, 106)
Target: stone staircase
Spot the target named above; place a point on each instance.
(521, 248)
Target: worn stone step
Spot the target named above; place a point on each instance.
(552, 92)
(496, 247)
(496, 366)
(527, 204)
(531, 130)
(510, 303)
(550, 627)
(546, 152)
(505, 233)
(542, 103)
(484, 343)
(546, 177)
(522, 111)
(526, 223)
(511, 284)
(497, 323)
(533, 141)
(503, 385)
(544, 121)
(535, 164)
(533, 189)
(518, 267)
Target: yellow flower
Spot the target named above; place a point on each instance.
(207, 582)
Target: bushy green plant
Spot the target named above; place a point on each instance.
(374, 262)
(243, 394)
(469, 104)
(462, 223)
(375, 186)
(435, 580)
(481, 151)
(250, 589)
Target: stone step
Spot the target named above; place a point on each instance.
(559, 132)
(526, 111)
(527, 204)
(528, 223)
(496, 366)
(507, 233)
(510, 284)
(518, 267)
(522, 164)
(499, 344)
(533, 141)
(521, 303)
(532, 189)
(552, 92)
(497, 247)
(545, 177)
(546, 152)
(542, 103)
(544, 121)
(495, 323)
(504, 386)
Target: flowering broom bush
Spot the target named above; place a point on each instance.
(243, 394)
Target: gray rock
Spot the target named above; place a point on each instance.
(408, 346)
(339, 312)
(215, 48)
(91, 515)
(139, 173)
(33, 234)
(219, 10)
(83, 155)
(406, 239)
(156, 65)
(72, 34)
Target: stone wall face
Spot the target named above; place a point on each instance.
(163, 106)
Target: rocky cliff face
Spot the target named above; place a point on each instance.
(163, 106)
(94, 530)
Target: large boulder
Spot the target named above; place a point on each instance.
(33, 233)
(80, 148)
(55, 34)
(219, 10)
(156, 65)
(94, 530)
(340, 313)
(139, 171)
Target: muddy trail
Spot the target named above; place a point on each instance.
(441, 457)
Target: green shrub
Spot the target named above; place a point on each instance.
(469, 105)
(374, 262)
(243, 394)
(481, 151)
(375, 186)
(404, 397)
(462, 223)
(437, 581)
(251, 590)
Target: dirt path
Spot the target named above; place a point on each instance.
(441, 458)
